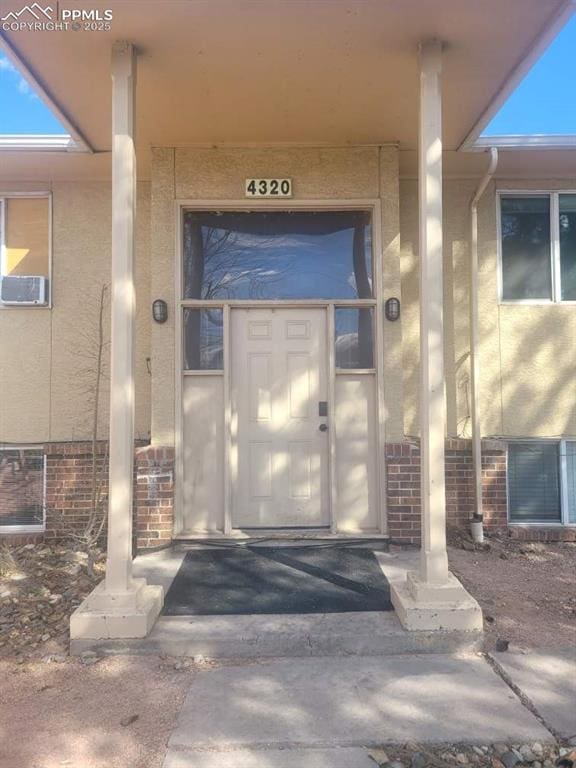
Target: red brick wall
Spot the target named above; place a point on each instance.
(403, 486)
(69, 467)
(68, 492)
(403, 491)
(494, 490)
(154, 496)
(68, 485)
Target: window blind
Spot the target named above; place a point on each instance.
(534, 482)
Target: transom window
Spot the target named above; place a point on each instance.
(251, 256)
(538, 246)
(277, 255)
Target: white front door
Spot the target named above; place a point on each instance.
(278, 391)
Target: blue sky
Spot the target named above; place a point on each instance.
(21, 110)
(542, 103)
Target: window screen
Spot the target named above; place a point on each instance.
(567, 205)
(526, 260)
(21, 487)
(571, 479)
(26, 236)
(534, 482)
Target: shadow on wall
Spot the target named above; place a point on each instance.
(527, 353)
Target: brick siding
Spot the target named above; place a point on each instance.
(68, 493)
(403, 486)
(154, 497)
(69, 468)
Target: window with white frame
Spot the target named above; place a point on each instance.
(538, 246)
(22, 488)
(25, 249)
(542, 481)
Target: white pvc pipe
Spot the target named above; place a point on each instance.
(476, 525)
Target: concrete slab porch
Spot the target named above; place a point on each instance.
(269, 636)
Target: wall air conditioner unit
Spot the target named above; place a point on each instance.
(23, 290)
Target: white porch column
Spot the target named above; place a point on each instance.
(433, 560)
(119, 561)
(431, 597)
(121, 606)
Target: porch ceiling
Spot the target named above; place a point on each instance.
(249, 71)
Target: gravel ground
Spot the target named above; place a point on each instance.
(527, 590)
(40, 586)
(117, 712)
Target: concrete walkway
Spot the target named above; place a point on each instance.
(324, 712)
(546, 680)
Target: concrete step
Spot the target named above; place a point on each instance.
(274, 636)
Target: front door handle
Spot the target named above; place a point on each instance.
(323, 427)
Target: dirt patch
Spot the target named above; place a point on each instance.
(40, 586)
(115, 713)
(527, 591)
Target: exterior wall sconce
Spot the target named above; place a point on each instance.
(160, 311)
(392, 309)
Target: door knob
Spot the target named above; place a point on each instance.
(323, 427)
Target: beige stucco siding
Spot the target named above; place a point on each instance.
(527, 352)
(48, 355)
(368, 173)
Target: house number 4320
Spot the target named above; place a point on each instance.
(268, 188)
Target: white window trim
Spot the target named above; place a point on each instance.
(40, 528)
(10, 196)
(554, 195)
(563, 478)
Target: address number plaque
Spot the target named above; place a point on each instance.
(268, 188)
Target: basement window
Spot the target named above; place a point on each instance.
(25, 250)
(537, 247)
(542, 482)
(22, 489)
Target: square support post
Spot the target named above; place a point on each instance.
(121, 606)
(433, 558)
(432, 598)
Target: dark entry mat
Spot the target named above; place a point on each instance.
(261, 580)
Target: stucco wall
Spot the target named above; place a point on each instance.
(219, 174)
(47, 355)
(527, 352)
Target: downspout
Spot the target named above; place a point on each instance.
(476, 524)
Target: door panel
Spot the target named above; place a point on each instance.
(278, 376)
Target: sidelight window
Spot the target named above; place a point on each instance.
(354, 337)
